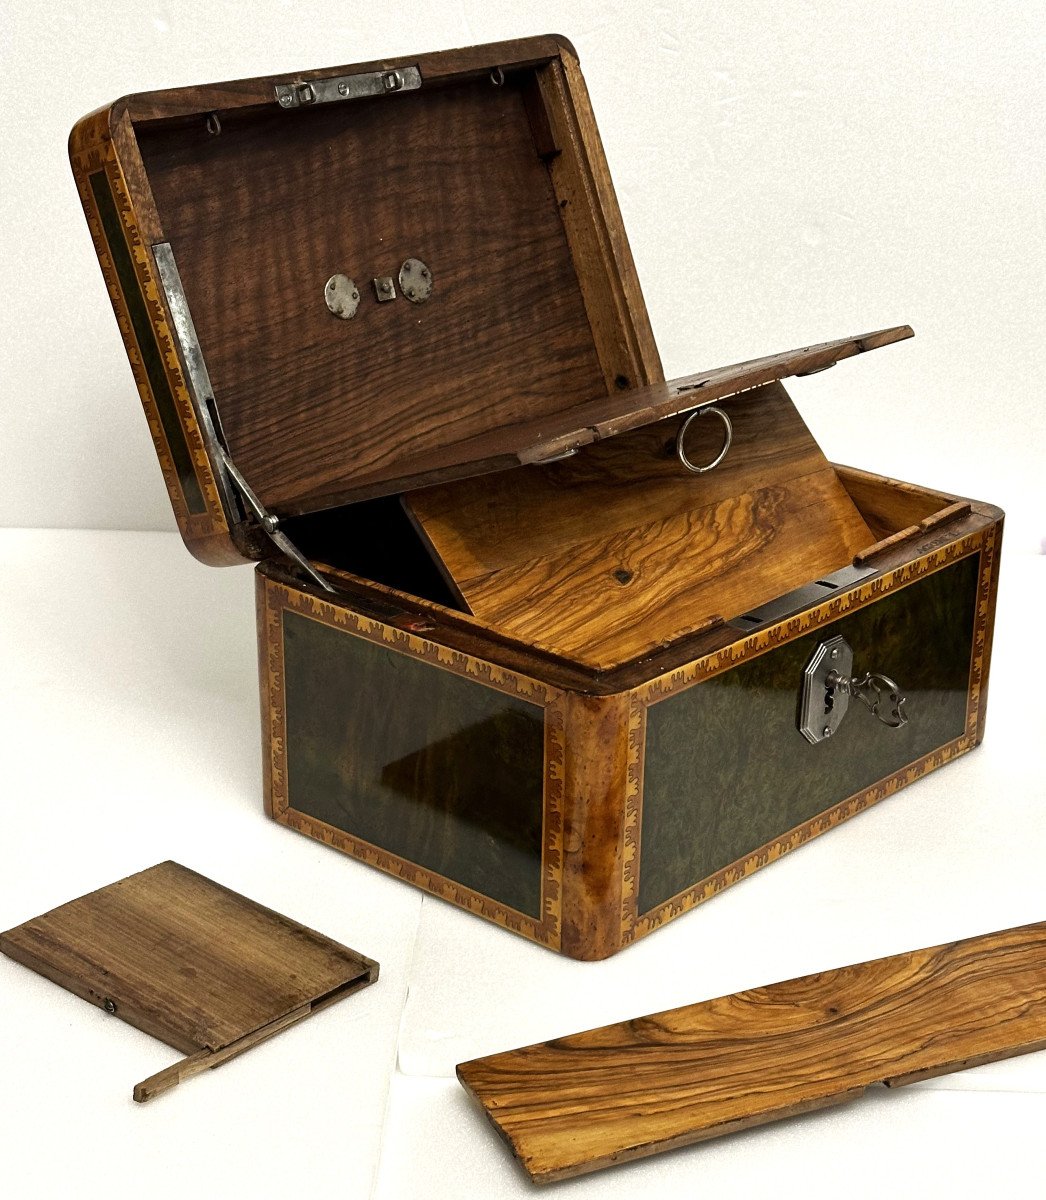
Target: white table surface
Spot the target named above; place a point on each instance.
(130, 735)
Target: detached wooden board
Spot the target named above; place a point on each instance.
(626, 1091)
(605, 557)
(189, 962)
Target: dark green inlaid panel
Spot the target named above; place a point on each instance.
(146, 338)
(727, 770)
(426, 764)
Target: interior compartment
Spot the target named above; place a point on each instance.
(620, 550)
(391, 553)
(384, 456)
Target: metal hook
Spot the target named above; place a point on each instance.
(497, 77)
(214, 125)
(708, 410)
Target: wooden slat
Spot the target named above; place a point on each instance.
(187, 961)
(629, 1090)
(538, 440)
(953, 512)
(603, 418)
(610, 555)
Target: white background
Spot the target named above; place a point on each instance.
(788, 172)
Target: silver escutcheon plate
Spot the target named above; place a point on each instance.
(822, 705)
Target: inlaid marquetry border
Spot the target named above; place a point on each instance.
(636, 752)
(753, 645)
(986, 543)
(276, 599)
(92, 150)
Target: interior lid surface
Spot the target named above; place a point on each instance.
(318, 410)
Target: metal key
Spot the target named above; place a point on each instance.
(875, 692)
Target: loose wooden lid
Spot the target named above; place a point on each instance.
(590, 1100)
(189, 962)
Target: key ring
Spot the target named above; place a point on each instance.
(708, 410)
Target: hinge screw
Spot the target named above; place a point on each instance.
(109, 1005)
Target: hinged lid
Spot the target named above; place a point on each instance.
(370, 270)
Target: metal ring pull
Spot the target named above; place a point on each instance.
(708, 410)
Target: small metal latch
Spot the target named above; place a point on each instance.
(269, 523)
(347, 87)
(828, 684)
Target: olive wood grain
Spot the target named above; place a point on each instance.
(184, 959)
(629, 1090)
(619, 551)
(473, 635)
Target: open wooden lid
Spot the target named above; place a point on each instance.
(360, 281)
(465, 201)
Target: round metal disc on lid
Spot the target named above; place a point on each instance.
(415, 281)
(342, 296)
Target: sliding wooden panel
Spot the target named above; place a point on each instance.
(629, 1090)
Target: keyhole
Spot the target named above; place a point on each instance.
(829, 700)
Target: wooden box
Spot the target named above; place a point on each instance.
(390, 342)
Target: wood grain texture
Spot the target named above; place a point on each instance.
(629, 1090)
(610, 555)
(592, 220)
(438, 66)
(714, 794)
(479, 639)
(188, 961)
(602, 418)
(595, 745)
(945, 516)
(319, 412)
(535, 284)
(121, 217)
(890, 505)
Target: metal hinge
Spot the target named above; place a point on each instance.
(269, 523)
(198, 382)
(347, 87)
